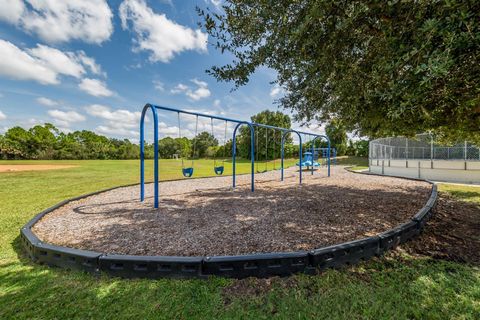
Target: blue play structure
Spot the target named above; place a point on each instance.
(325, 151)
(308, 161)
(188, 171)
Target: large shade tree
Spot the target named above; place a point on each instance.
(380, 67)
(267, 141)
(202, 142)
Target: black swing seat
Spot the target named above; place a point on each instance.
(187, 172)
(218, 170)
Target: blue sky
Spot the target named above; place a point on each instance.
(92, 64)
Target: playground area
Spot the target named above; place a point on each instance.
(205, 217)
(303, 218)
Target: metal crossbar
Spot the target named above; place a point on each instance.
(239, 123)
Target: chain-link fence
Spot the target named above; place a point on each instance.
(423, 146)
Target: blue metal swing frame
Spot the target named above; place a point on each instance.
(239, 123)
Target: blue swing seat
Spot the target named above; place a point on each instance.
(187, 172)
(308, 161)
(219, 170)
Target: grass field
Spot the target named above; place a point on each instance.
(397, 286)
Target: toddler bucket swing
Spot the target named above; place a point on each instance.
(188, 171)
(219, 169)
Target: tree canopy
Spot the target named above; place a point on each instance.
(337, 134)
(381, 67)
(267, 141)
(47, 142)
(202, 142)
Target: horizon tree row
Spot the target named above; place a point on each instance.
(46, 142)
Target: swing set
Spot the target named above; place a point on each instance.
(218, 165)
(266, 150)
(217, 168)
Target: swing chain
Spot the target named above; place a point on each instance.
(225, 143)
(195, 139)
(180, 139)
(214, 151)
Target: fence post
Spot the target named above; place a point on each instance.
(432, 154)
(406, 151)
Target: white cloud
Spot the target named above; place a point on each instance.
(200, 92)
(125, 117)
(164, 129)
(11, 10)
(125, 123)
(60, 21)
(47, 102)
(43, 64)
(90, 63)
(216, 103)
(2, 116)
(116, 131)
(158, 85)
(276, 91)
(19, 65)
(58, 61)
(95, 87)
(65, 118)
(119, 122)
(216, 3)
(179, 88)
(155, 33)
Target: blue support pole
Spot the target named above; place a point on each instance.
(282, 155)
(252, 153)
(142, 153)
(300, 155)
(300, 150)
(328, 150)
(328, 156)
(142, 156)
(313, 153)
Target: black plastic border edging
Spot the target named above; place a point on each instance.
(254, 265)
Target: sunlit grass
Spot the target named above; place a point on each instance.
(386, 288)
(464, 192)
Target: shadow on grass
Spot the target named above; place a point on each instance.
(400, 288)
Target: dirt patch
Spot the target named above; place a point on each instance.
(32, 167)
(202, 217)
(453, 232)
(255, 287)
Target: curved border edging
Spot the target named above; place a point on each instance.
(240, 266)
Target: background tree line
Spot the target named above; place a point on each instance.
(47, 142)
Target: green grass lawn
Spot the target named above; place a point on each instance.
(393, 287)
(355, 163)
(467, 193)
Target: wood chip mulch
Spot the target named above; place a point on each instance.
(204, 217)
(452, 233)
